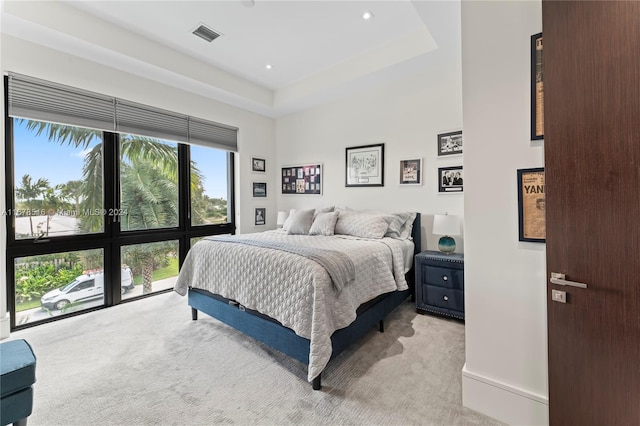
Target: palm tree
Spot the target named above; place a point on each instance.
(72, 191)
(29, 191)
(144, 258)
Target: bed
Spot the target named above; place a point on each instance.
(308, 290)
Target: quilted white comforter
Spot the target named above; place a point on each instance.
(293, 289)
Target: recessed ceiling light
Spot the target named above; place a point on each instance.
(268, 67)
(367, 15)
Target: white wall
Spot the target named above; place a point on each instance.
(406, 116)
(255, 135)
(505, 375)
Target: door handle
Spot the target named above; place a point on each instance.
(559, 279)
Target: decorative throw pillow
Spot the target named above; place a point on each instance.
(400, 225)
(363, 225)
(287, 221)
(301, 221)
(407, 229)
(324, 224)
(324, 210)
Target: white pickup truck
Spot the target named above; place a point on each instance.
(88, 286)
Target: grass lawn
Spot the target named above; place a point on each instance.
(171, 270)
(28, 305)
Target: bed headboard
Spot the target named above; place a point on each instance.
(416, 234)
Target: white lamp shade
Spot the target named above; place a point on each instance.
(282, 216)
(444, 224)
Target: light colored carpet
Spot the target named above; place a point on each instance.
(147, 363)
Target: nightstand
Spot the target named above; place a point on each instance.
(440, 283)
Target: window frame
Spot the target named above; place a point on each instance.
(112, 239)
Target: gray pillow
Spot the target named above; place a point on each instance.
(363, 225)
(324, 210)
(301, 221)
(400, 225)
(324, 224)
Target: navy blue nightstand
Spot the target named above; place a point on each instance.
(440, 283)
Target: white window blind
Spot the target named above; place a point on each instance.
(41, 100)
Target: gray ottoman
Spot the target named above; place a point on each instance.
(18, 374)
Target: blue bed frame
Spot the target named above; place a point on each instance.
(283, 339)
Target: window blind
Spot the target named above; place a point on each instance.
(41, 100)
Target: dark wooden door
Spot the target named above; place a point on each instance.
(592, 170)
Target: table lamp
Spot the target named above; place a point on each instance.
(282, 216)
(446, 225)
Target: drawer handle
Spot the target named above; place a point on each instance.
(445, 278)
(445, 297)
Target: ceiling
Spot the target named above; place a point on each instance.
(318, 50)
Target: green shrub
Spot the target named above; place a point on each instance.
(34, 280)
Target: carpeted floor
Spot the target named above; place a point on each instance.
(147, 363)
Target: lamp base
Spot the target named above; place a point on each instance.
(447, 244)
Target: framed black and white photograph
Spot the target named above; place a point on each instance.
(450, 179)
(260, 215)
(259, 189)
(302, 179)
(258, 165)
(450, 143)
(531, 205)
(411, 172)
(365, 165)
(537, 88)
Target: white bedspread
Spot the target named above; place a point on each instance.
(295, 290)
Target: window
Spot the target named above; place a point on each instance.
(50, 285)
(98, 217)
(58, 180)
(154, 267)
(209, 188)
(148, 183)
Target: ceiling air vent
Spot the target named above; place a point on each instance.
(206, 33)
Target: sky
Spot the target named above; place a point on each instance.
(40, 158)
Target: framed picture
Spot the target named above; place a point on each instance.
(259, 189)
(258, 165)
(303, 179)
(537, 88)
(365, 165)
(531, 205)
(411, 172)
(260, 215)
(450, 143)
(450, 179)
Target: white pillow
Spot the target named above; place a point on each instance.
(301, 221)
(324, 224)
(363, 225)
(324, 210)
(401, 225)
(287, 222)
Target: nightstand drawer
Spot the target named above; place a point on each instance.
(443, 297)
(443, 277)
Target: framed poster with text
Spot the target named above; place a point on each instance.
(531, 205)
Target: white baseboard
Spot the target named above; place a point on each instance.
(503, 402)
